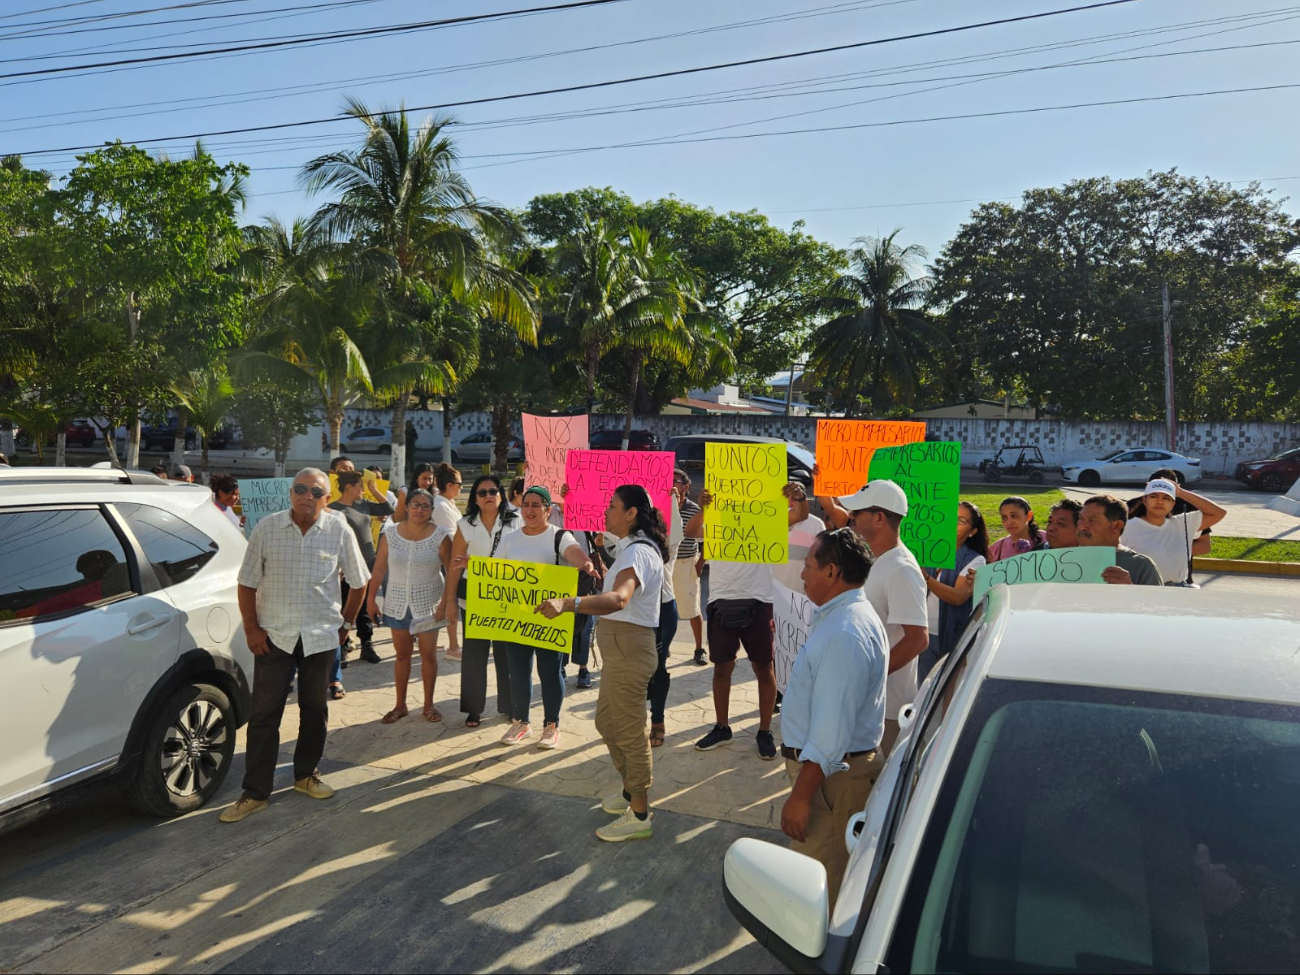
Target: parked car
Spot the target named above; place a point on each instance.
(480, 448)
(163, 436)
(368, 440)
(690, 453)
(1130, 465)
(1274, 475)
(1087, 783)
(120, 639)
(613, 440)
(78, 433)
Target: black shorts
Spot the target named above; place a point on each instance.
(754, 631)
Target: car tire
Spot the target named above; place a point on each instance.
(1035, 477)
(993, 474)
(385, 448)
(187, 752)
(1089, 478)
(190, 443)
(23, 439)
(1272, 483)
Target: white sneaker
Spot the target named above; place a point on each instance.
(550, 737)
(516, 733)
(615, 805)
(627, 827)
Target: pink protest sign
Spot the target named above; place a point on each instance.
(592, 476)
(547, 440)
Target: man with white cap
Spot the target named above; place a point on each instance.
(895, 588)
(182, 473)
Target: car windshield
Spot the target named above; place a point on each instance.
(802, 454)
(1292, 454)
(1090, 829)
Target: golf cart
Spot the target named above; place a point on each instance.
(1015, 460)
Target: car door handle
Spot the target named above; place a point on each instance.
(853, 832)
(149, 623)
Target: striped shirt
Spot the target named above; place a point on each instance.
(689, 546)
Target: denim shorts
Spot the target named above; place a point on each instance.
(398, 624)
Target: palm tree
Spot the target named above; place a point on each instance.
(877, 333)
(205, 397)
(415, 223)
(310, 304)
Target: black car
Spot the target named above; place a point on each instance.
(613, 440)
(163, 437)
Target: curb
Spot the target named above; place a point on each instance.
(1202, 564)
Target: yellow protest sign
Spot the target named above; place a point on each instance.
(747, 520)
(502, 594)
(373, 487)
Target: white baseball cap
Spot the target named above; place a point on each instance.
(885, 495)
(1162, 485)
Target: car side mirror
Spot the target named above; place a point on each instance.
(782, 892)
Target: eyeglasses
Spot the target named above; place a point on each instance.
(315, 492)
(419, 506)
(488, 492)
(458, 483)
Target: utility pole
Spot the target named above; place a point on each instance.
(789, 388)
(1171, 429)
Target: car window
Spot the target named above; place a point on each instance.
(58, 561)
(1092, 829)
(175, 548)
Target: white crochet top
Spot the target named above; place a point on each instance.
(414, 574)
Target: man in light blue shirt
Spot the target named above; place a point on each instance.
(834, 713)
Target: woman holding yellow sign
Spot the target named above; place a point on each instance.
(541, 542)
(629, 612)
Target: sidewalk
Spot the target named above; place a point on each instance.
(730, 783)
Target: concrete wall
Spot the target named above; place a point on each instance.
(1220, 446)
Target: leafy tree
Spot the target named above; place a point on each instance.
(206, 397)
(270, 416)
(1059, 298)
(877, 334)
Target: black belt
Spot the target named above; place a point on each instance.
(788, 752)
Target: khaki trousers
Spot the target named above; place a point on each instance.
(840, 796)
(628, 661)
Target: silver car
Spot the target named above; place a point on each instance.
(367, 440)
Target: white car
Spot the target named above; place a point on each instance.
(1132, 465)
(480, 448)
(121, 644)
(1103, 778)
(367, 440)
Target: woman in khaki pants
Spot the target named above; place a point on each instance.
(629, 614)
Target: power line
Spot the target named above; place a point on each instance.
(314, 39)
(681, 72)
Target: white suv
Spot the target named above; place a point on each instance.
(121, 649)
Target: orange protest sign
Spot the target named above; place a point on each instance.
(844, 449)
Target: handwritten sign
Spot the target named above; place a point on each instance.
(592, 476)
(501, 596)
(930, 476)
(368, 478)
(547, 441)
(844, 449)
(748, 519)
(261, 496)
(1070, 565)
(792, 613)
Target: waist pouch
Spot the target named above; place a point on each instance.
(734, 614)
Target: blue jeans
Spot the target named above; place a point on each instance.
(586, 625)
(550, 671)
(664, 633)
(336, 668)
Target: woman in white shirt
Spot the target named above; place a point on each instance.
(541, 542)
(628, 611)
(1164, 537)
(479, 535)
(409, 566)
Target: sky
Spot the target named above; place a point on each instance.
(885, 153)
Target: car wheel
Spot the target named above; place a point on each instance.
(385, 448)
(1272, 483)
(23, 439)
(190, 443)
(1035, 477)
(187, 752)
(1179, 477)
(455, 457)
(993, 474)
(1089, 478)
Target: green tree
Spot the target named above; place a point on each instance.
(414, 221)
(1059, 298)
(270, 416)
(206, 397)
(877, 334)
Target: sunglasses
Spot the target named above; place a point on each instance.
(315, 492)
(488, 492)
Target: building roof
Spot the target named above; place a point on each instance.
(709, 406)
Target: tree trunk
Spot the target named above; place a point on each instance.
(446, 430)
(500, 443)
(178, 442)
(133, 429)
(110, 444)
(593, 363)
(631, 401)
(280, 454)
(397, 454)
(203, 464)
(7, 445)
(61, 449)
(334, 417)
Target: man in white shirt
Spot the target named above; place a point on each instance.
(897, 590)
(289, 599)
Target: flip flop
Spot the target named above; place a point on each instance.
(394, 716)
(432, 714)
(337, 692)
(473, 721)
(656, 735)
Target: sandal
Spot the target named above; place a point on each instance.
(337, 692)
(394, 716)
(656, 735)
(432, 714)
(473, 721)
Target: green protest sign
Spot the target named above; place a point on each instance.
(930, 475)
(1070, 565)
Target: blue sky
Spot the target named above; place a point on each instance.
(921, 177)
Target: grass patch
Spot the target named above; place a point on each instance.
(1040, 500)
(1254, 549)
